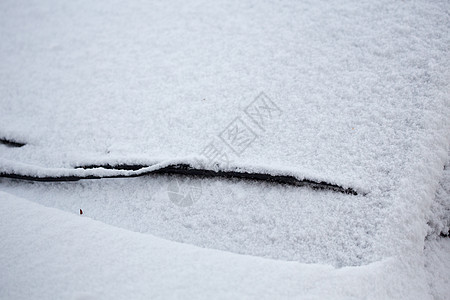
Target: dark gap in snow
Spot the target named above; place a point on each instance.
(11, 143)
(188, 170)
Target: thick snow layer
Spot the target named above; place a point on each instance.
(355, 93)
(356, 82)
(72, 257)
(269, 220)
(437, 256)
(439, 219)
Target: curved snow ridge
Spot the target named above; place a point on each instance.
(58, 249)
(190, 167)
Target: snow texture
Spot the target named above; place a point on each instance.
(358, 95)
(437, 252)
(125, 265)
(440, 209)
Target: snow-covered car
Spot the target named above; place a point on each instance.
(225, 149)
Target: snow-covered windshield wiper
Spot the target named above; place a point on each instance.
(183, 169)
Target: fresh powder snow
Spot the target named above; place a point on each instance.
(349, 93)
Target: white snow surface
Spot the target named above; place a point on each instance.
(86, 259)
(361, 91)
